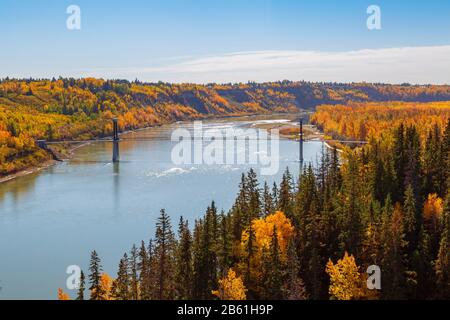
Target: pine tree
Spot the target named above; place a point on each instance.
(394, 254)
(80, 294)
(144, 273)
(183, 276)
(254, 204)
(410, 219)
(224, 252)
(285, 195)
(268, 205)
(164, 257)
(293, 287)
(399, 162)
(274, 277)
(121, 288)
(250, 250)
(275, 195)
(352, 228)
(413, 165)
(95, 269)
(442, 264)
(133, 271)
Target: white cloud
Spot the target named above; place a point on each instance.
(390, 65)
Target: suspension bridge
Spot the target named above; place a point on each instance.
(116, 139)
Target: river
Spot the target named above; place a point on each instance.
(56, 217)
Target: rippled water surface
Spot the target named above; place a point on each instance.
(54, 218)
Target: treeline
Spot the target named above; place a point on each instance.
(361, 121)
(68, 108)
(385, 204)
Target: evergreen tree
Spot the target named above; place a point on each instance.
(394, 254)
(413, 165)
(410, 219)
(285, 195)
(80, 294)
(294, 287)
(399, 162)
(268, 205)
(254, 203)
(442, 264)
(184, 262)
(250, 250)
(225, 245)
(95, 269)
(164, 258)
(274, 277)
(144, 273)
(134, 278)
(121, 288)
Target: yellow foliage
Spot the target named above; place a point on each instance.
(346, 282)
(263, 229)
(231, 287)
(432, 208)
(106, 284)
(62, 295)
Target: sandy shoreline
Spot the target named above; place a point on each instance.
(27, 171)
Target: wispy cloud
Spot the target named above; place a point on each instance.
(390, 65)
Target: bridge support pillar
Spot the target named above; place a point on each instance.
(301, 146)
(116, 155)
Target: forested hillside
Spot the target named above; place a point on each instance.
(364, 120)
(83, 108)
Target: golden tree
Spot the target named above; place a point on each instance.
(231, 287)
(346, 282)
(62, 295)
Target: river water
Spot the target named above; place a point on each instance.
(55, 218)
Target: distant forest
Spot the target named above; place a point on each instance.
(67, 108)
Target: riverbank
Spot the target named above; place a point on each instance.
(58, 154)
(27, 171)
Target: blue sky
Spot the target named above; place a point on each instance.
(227, 40)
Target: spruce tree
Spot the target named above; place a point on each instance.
(268, 205)
(95, 269)
(80, 293)
(183, 278)
(121, 288)
(442, 264)
(394, 282)
(144, 269)
(274, 277)
(133, 271)
(410, 219)
(254, 202)
(285, 194)
(224, 245)
(164, 257)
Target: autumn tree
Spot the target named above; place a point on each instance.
(346, 282)
(231, 287)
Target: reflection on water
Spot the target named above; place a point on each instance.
(54, 218)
